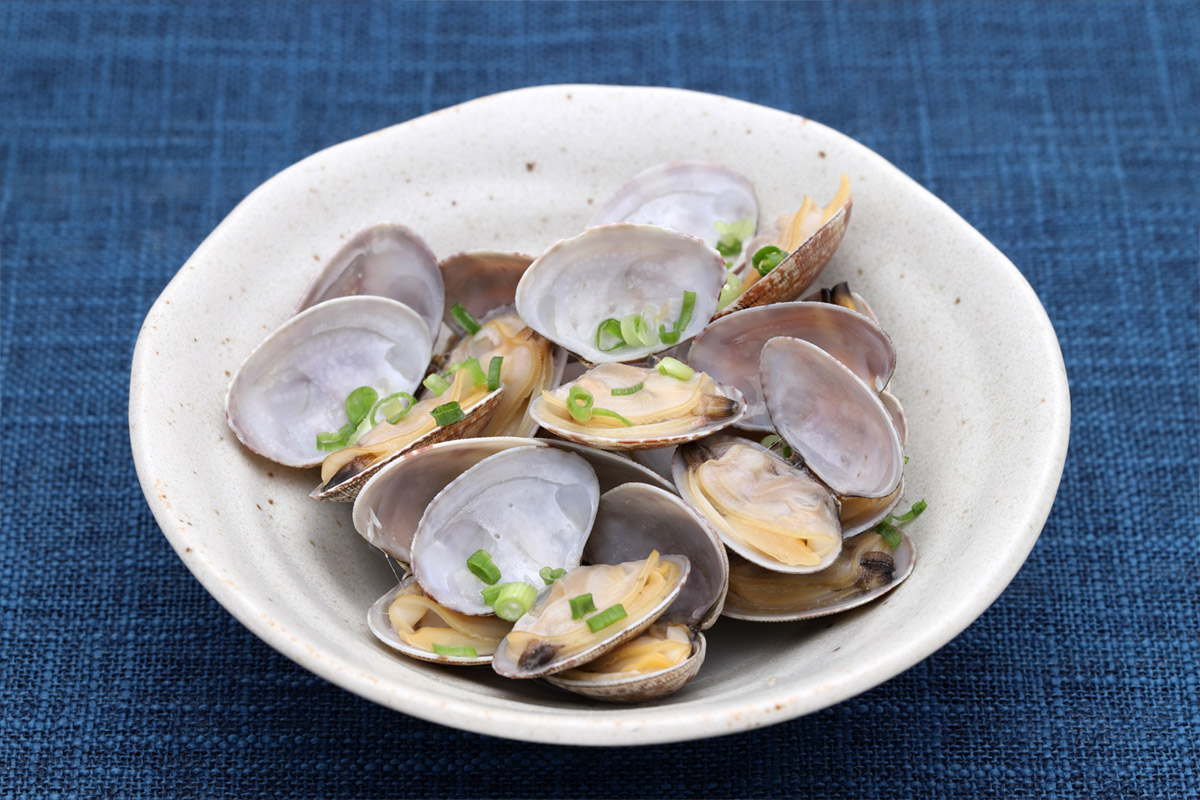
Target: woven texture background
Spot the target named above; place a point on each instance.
(1067, 133)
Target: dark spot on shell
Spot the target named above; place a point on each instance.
(538, 655)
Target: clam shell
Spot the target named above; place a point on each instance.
(613, 271)
(475, 419)
(612, 469)
(904, 556)
(641, 688)
(481, 280)
(380, 625)
(860, 513)
(385, 260)
(528, 507)
(685, 196)
(624, 630)
(294, 384)
(831, 418)
(796, 272)
(729, 348)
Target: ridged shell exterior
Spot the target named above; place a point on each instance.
(475, 420)
(798, 271)
(641, 688)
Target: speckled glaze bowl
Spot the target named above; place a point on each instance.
(979, 371)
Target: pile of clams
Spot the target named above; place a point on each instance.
(711, 444)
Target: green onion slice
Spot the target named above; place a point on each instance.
(637, 387)
(549, 575)
(889, 533)
(464, 318)
(675, 369)
(579, 403)
(490, 594)
(581, 605)
(913, 513)
(604, 412)
(730, 291)
(392, 407)
(471, 365)
(514, 600)
(336, 440)
(359, 403)
(773, 439)
(635, 331)
(436, 384)
(493, 376)
(767, 259)
(685, 317)
(448, 414)
(608, 335)
(606, 617)
(458, 652)
(481, 566)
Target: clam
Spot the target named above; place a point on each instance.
(481, 281)
(294, 384)
(765, 509)
(387, 261)
(613, 272)
(598, 409)
(686, 196)
(867, 568)
(809, 237)
(842, 295)
(415, 624)
(831, 418)
(729, 348)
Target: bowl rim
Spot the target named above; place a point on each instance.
(548, 724)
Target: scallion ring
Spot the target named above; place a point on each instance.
(608, 335)
(606, 617)
(464, 318)
(481, 566)
(514, 600)
(448, 414)
(637, 387)
(604, 412)
(493, 376)
(393, 410)
(767, 259)
(436, 384)
(471, 365)
(579, 403)
(675, 369)
(582, 605)
(465, 651)
(685, 318)
(359, 403)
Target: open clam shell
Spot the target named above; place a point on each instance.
(685, 196)
(612, 271)
(481, 280)
(729, 348)
(612, 469)
(344, 485)
(612, 637)
(528, 507)
(380, 624)
(727, 476)
(863, 513)
(294, 384)
(801, 267)
(665, 412)
(831, 418)
(385, 260)
(634, 688)
(796, 597)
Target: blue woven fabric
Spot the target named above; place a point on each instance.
(1067, 133)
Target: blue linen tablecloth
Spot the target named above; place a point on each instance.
(1066, 133)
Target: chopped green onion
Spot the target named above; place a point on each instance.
(359, 403)
(606, 617)
(549, 575)
(637, 387)
(583, 604)
(458, 652)
(913, 513)
(436, 384)
(464, 318)
(773, 439)
(514, 600)
(609, 333)
(730, 291)
(336, 440)
(493, 376)
(604, 412)
(685, 317)
(635, 331)
(729, 247)
(393, 410)
(481, 566)
(490, 594)
(768, 258)
(738, 229)
(906, 459)
(579, 403)
(675, 369)
(448, 414)
(471, 365)
(889, 533)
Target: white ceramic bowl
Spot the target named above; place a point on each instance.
(980, 373)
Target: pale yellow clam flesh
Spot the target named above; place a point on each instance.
(659, 648)
(421, 622)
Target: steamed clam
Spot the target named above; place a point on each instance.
(562, 558)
